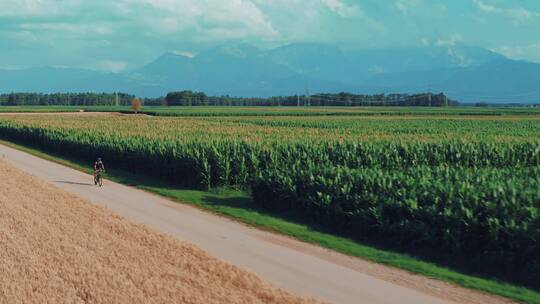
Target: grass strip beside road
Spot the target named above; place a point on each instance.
(237, 205)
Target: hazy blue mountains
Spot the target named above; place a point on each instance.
(465, 73)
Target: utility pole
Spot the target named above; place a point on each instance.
(116, 100)
(308, 97)
(297, 100)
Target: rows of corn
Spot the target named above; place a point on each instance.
(462, 188)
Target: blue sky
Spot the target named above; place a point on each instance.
(116, 35)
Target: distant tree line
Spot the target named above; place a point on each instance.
(186, 98)
(189, 98)
(499, 105)
(65, 99)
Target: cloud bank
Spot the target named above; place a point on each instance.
(116, 35)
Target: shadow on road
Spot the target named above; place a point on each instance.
(74, 183)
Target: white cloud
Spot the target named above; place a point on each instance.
(517, 14)
(529, 52)
(232, 18)
(111, 66)
(520, 14)
(27, 7)
(452, 41)
(488, 8)
(402, 7)
(184, 53)
(10, 67)
(451, 44)
(340, 8)
(407, 6)
(68, 28)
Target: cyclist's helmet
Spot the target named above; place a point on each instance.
(99, 159)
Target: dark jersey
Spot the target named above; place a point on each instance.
(99, 166)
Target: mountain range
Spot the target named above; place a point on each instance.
(467, 74)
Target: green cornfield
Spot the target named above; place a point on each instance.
(460, 187)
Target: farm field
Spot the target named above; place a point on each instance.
(59, 248)
(461, 189)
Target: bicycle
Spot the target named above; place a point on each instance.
(98, 179)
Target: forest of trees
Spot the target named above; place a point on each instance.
(190, 98)
(186, 98)
(65, 99)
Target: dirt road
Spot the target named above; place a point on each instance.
(289, 264)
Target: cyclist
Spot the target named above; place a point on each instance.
(99, 167)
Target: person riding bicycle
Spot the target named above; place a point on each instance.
(99, 167)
